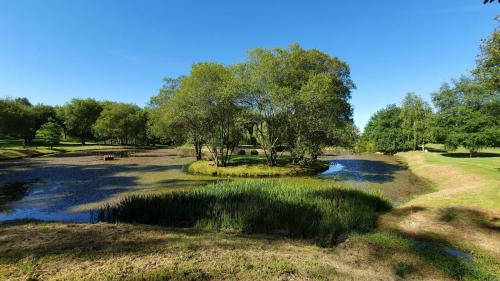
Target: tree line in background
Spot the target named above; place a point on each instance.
(467, 112)
(283, 100)
(292, 100)
(83, 119)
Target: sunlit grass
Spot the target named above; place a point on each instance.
(255, 166)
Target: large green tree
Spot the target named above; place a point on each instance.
(385, 130)
(205, 109)
(51, 132)
(216, 89)
(488, 63)
(468, 114)
(21, 119)
(79, 117)
(417, 120)
(297, 98)
(121, 123)
(160, 128)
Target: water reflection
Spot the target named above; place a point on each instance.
(333, 169)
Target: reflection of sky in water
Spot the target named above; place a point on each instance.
(47, 216)
(333, 169)
(49, 200)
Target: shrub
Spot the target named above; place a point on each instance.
(254, 152)
(325, 214)
(242, 152)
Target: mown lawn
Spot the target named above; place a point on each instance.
(13, 148)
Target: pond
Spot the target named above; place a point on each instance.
(373, 172)
(68, 187)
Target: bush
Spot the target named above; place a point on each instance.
(254, 152)
(242, 152)
(325, 214)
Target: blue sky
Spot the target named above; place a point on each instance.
(52, 51)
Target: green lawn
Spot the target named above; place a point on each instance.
(475, 180)
(13, 148)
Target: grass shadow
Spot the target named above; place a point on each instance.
(467, 155)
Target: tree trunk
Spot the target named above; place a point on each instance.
(82, 140)
(197, 149)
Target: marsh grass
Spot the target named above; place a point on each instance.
(255, 166)
(325, 214)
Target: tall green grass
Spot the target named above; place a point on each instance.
(325, 214)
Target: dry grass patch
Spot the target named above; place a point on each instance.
(57, 251)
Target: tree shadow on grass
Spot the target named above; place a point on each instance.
(431, 248)
(465, 216)
(32, 238)
(467, 155)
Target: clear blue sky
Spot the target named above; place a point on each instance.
(52, 51)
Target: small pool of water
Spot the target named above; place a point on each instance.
(371, 172)
(334, 168)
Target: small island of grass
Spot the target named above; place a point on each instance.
(256, 166)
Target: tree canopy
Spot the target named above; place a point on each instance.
(468, 114)
(79, 117)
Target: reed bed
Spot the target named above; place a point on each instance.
(326, 214)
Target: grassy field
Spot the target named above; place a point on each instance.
(255, 166)
(13, 148)
(463, 211)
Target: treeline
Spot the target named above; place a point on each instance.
(292, 100)
(83, 119)
(466, 112)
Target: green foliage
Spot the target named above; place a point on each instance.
(385, 130)
(417, 120)
(488, 63)
(366, 145)
(214, 88)
(254, 152)
(255, 166)
(468, 115)
(51, 132)
(159, 127)
(80, 116)
(22, 119)
(121, 123)
(325, 214)
(297, 98)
